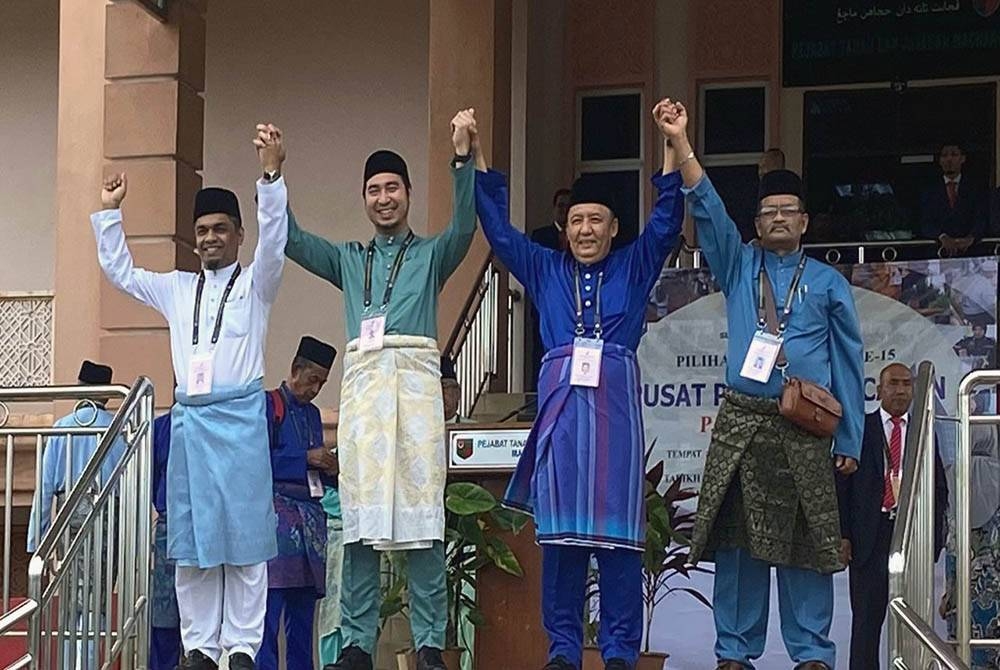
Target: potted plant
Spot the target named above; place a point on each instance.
(668, 535)
(474, 520)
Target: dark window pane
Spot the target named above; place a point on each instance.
(610, 127)
(737, 186)
(734, 120)
(625, 187)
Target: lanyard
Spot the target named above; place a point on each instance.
(598, 329)
(222, 306)
(787, 310)
(398, 263)
(295, 423)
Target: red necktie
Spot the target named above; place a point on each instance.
(952, 189)
(895, 453)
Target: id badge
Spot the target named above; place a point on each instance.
(315, 485)
(585, 369)
(894, 482)
(200, 371)
(372, 333)
(761, 357)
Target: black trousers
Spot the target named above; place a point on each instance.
(869, 599)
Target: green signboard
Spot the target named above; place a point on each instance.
(851, 41)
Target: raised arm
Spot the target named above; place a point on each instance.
(272, 214)
(453, 244)
(847, 370)
(717, 233)
(510, 245)
(662, 229)
(150, 288)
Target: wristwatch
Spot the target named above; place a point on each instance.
(271, 176)
(461, 159)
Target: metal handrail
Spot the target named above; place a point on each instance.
(481, 341)
(83, 395)
(912, 640)
(77, 571)
(834, 256)
(963, 511)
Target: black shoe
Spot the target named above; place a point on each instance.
(352, 658)
(617, 664)
(196, 660)
(559, 663)
(241, 661)
(429, 658)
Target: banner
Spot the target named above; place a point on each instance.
(850, 41)
(940, 310)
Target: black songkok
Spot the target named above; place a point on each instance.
(591, 189)
(216, 201)
(384, 160)
(320, 353)
(94, 373)
(780, 182)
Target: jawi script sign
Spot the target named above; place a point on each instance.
(851, 41)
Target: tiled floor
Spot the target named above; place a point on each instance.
(683, 628)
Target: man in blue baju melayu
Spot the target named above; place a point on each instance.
(768, 496)
(221, 529)
(581, 473)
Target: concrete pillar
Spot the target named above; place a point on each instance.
(154, 121)
(468, 66)
(79, 150)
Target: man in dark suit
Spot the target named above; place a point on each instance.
(952, 210)
(868, 504)
(552, 235)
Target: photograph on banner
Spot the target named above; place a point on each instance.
(943, 311)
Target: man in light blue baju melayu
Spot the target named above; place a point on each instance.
(768, 496)
(221, 529)
(76, 450)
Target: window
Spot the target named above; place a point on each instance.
(733, 136)
(609, 146)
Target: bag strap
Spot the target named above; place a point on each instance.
(278, 404)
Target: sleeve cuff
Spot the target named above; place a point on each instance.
(701, 189)
(105, 218)
(665, 181)
(464, 167)
(491, 178)
(270, 187)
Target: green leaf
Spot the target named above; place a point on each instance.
(391, 607)
(466, 498)
(504, 558)
(509, 520)
(471, 532)
(476, 617)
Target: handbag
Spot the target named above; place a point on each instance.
(808, 405)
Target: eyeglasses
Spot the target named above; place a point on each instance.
(771, 213)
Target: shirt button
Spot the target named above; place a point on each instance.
(587, 303)
(586, 276)
(587, 287)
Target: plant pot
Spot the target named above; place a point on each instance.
(407, 659)
(592, 660)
